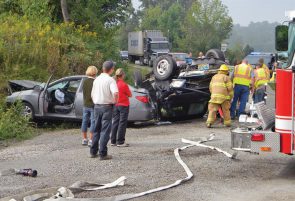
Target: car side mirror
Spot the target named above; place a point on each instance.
(282, 38)
(37, 88)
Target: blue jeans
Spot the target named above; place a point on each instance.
(241, 93)
(259, 95)
(102, 131)
(88, 115)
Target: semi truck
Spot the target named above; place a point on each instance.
(275, 127)
(146, 46)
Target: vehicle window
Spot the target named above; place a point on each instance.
(68, 85)
(59, 85)
(73, 86)
(156, 46)
(253, 59)
(180, 57)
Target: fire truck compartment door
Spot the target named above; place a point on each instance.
(266, 141)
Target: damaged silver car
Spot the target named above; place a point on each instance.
(41, 101)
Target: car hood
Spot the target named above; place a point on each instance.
(21, 85)
(18, 95)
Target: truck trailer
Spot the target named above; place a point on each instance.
(146, 46)
(275, 127)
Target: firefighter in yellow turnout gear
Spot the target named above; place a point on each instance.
(221, 89)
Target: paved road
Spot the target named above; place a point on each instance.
(150, 163)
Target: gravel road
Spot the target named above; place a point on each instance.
(149, 163)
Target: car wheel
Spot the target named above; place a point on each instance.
(28, 110)
(164, 67)
(137, 78)
(216, 54)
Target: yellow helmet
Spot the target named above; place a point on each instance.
(224, 67)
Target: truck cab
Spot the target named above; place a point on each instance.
(145, 46)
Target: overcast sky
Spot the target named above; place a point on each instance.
(245, 11)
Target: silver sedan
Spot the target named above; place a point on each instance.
(40, 102)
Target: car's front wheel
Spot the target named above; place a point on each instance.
(28, 110)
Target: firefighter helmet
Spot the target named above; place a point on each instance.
(224, 67)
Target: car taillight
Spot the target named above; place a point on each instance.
(257, 137)
(143, 99)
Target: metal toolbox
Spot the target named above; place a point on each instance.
(241, 139)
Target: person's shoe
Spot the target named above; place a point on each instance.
(89, 143)
(233, 118)
(228, 125)
(107, 157)
(208, 125)
(93, 156)
(85, 142)
(123, 145)
(113, 144)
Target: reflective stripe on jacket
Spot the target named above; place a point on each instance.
(221, 88)
(261, 77)
(242, 74)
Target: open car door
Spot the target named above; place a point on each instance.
(43, 98)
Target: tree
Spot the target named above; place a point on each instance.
(206, 25)
(129, 25)
(65, 12)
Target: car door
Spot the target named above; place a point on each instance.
(43, 98)
(71, 86)
(78, 105)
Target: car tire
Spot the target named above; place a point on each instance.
(28, 111)
(137, 78)
(164, 67)
(216, 54)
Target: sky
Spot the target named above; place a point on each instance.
(245, 11)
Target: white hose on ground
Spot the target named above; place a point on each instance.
(66, 194)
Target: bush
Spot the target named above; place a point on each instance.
(34, 48)
(13, 125)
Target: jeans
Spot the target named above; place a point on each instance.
(88, 115)
(259, 95)
(241, 93)
(120, 117)
(102, 131)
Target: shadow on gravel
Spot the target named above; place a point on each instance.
(154, 123)
(289, 171)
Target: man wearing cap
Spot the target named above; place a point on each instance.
(104, 95)
(221, 89)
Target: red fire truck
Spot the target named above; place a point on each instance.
(274, 130)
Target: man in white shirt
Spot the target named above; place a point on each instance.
(104, 95)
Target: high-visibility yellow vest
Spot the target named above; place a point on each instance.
(242, 75)
(265, 67)
(261, 77)
(221, 88)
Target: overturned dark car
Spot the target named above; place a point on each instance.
(181, 92)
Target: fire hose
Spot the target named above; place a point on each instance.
(67, 194)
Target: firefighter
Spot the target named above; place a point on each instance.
(262, 64)
(242, 81)
(221, 89)
(261, 77)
